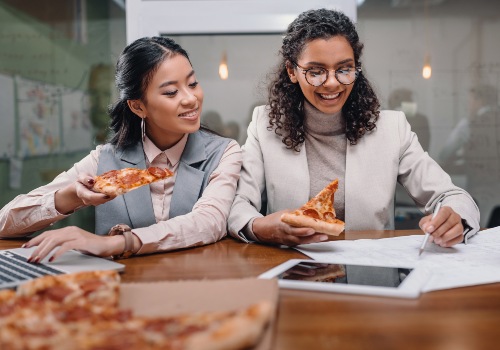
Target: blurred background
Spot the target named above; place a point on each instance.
(436, 60)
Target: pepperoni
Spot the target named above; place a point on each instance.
(91, 286)
(131, 178)
(311, 213)
(57, 293)
(73, 314)
(157, 172)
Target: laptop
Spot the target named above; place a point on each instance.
(14, 268)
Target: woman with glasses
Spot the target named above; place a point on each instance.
(322, 123)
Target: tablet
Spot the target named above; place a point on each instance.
(389, 281)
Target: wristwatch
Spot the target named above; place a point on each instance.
(126, 231)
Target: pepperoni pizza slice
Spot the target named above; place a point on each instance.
(80, 311)
(118, 182)
(318, 213)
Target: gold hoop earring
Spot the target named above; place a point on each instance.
(143, 129)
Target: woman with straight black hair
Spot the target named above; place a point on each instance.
(156, 122)
(323, 122)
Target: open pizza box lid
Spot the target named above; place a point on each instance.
(171, 298)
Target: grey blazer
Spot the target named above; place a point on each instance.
(391, 153)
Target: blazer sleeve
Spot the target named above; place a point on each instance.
(248, 202)
(427, 183)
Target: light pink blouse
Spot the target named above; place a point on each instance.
(205, 224)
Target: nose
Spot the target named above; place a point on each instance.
(189, 99)
(331, 80)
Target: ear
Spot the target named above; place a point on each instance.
(291, 72)
(137, 107)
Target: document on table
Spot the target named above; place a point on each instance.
(477, 262)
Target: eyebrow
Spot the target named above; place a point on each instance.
(347, 60)
(171, 82)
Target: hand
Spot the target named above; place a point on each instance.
(446, 228)
(72, 237)
(271, 229)
(79, 194)
(84, 191)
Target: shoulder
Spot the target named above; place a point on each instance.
(260, 114)
(209, 137)
(390, 120)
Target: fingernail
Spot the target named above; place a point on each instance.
(90, 181)
(29, 259)
(430, 229)
(437, 241)
(323, 238)
(24, 246)
(36, 260)
(51, 259)
(107, 197)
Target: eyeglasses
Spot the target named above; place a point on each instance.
(317, 76)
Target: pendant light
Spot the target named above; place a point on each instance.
(223, 70)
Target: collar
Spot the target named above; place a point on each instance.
(317, 122)
(173, 153)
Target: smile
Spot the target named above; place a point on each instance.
(329, 96)
(190, 114)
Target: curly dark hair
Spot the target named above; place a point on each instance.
(286, 100)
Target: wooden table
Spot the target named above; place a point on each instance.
(455, 319)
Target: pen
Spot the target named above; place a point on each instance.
(427, 234)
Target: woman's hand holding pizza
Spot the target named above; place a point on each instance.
(446, 228)
(271, 229)
(79, 194)
(72, 237)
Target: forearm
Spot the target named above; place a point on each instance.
(26, 214)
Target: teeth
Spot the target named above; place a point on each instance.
(189, 114)
(330, 97)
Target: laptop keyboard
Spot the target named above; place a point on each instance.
(15, 268)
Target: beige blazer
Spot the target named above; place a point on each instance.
(391, 153)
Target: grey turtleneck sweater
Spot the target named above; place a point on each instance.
(326, 146)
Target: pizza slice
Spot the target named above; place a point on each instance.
(118, 182)
(80, 311)
(99, 288)
(318, 213)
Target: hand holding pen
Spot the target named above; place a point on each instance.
(427, 234)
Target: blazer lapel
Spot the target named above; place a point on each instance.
(291, 182)
(138, 202)
(189, 179)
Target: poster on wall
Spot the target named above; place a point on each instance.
(7, 116)
(39, 117)
(77, 128)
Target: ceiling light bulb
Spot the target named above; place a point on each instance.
(223, 70)
(427, 70)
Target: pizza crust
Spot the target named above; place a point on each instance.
(334, 228)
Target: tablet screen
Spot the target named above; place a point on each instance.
(346, 274)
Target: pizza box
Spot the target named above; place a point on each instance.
(177, 297)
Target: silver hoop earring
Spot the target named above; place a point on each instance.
(143, 129)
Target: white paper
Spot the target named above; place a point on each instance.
(477, 262)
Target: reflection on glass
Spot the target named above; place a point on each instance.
(346, 274)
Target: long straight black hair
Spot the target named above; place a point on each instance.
(134, 70)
